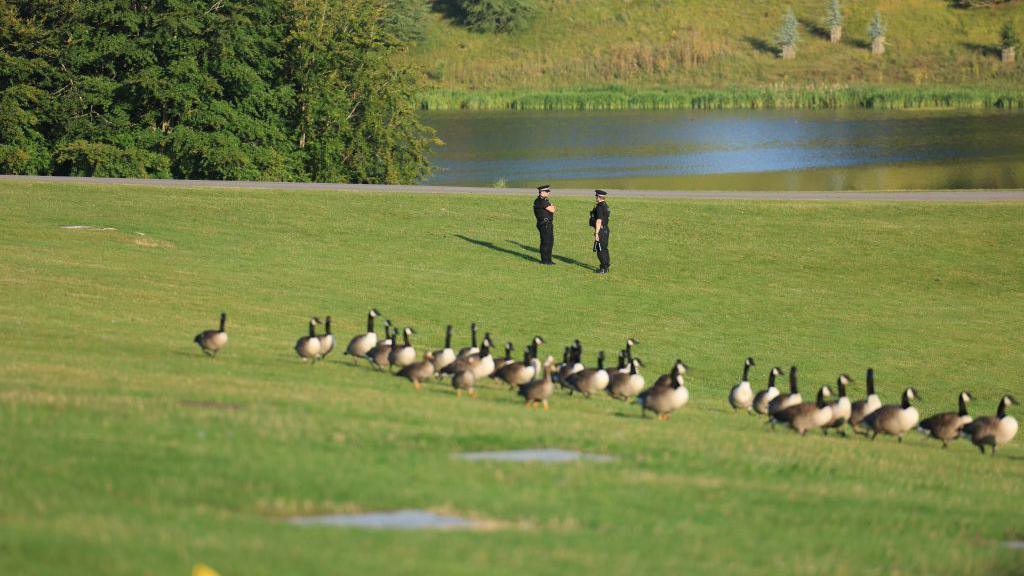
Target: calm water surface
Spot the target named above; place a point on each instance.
(732, 150)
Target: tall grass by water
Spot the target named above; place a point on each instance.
(810, 97)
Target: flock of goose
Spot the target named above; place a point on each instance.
(536, 381)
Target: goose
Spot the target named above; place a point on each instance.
(947, 426)
(482, 363)
(861, 409)
(763, 398)
(840, 408)
(519, 373)
(534, 344)
(785, 400)
(995, 430)
(472, 348)
(666, 399)
(360, 346)
(211, 341)
(622, 367)
(573, 366)
(624, 385)
(379, 354)
(806, 415)
(464, 381)
(308, 347)
(403, 354)
(446, 355)
(538, 391)
(630, 342)
(894, 420)
(417, 372)
(327, 340)
(678, 369)
(499, 362)
(591, 380)
(741, 397)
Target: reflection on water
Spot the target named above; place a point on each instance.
(732, 150)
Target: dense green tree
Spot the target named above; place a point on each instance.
(1008, 36)
(497, 15)
(789, 31)
(224, 89)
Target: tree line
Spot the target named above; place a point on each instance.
(292, 90)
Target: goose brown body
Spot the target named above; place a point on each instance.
(361, 345)
(894, 420)
(308, 347)
(993, 431)
(538, 391)
(763, 398)
(947, 426)
(417, 372)
(787, 399)
(806, 415)
(625, 385)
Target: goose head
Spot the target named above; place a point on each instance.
(374, 313)
(749, 362)
(966, 397)
(908, 395)
(823, 395)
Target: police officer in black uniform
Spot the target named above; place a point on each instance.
(544, 212)
(599, 221)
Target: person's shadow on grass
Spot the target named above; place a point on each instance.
(496, 248)
(563, 259)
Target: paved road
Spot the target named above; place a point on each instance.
(888, 196)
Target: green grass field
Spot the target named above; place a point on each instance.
(669, 53)
(124, 451)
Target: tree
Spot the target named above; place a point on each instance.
(496, 15)
(1009, 41)
(834, 20)
(788, 36)
(877, 32)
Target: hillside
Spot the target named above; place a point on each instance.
(126, 451)
(576, 45)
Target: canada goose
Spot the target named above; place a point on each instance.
(840, 408)
(379, 354)
(861, 409)
(741, 397)
(947, 426)
(894, 420)
(534, 343)
(360, 346)
(464, 381)
(573, 366)
(518, 373)
(678, 369)
(995, 430)
(472, 348)
(327, 340)
(446, 355)
(538, 391)
(591, 380)
(482, 363)
(403, 354)
(308, 347)
(509, 347)
(806, 415)
(623, 386)
(211, 341)
(622, 367)
(787, 399)
(764, 397)
(666, 399)
(630, 342)
(417, 372)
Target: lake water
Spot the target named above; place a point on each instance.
(731, 150)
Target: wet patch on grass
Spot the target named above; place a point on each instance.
(391, 520)
(552, 455)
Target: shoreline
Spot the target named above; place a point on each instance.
(954, 196)
(753, 98)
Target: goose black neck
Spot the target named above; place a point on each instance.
(312, 329)
(565, 356)
(472, 329)
(485, 349)
(1001, 411)
(508, 353)
(905, 403)
(629, 350)
(223, 319)
(841, 384)
(871, 381)
(327, 326)
(792, 380)
(632, 367)
(963, 406)
(369, 323)
(771, 379)
(405, 337)
(622, 360)
(746, 372)
(821, 398)
(448, 337)
(600, 360)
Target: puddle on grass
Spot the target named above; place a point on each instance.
(86, 227)
(393, 520)
(536, 455)
(1014, 544)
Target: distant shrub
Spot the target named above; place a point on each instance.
(404, 18)
(834, 14)
(1009, 36)
(877, 27)
(979, 3)
(496, 15)
(789, 30)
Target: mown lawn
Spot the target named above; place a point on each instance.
(124, 451)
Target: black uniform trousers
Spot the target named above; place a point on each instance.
(602, 254)
(547, 240)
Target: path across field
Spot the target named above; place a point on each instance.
(886, 196)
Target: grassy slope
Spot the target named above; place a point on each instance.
(713, 44)
(104, 470)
